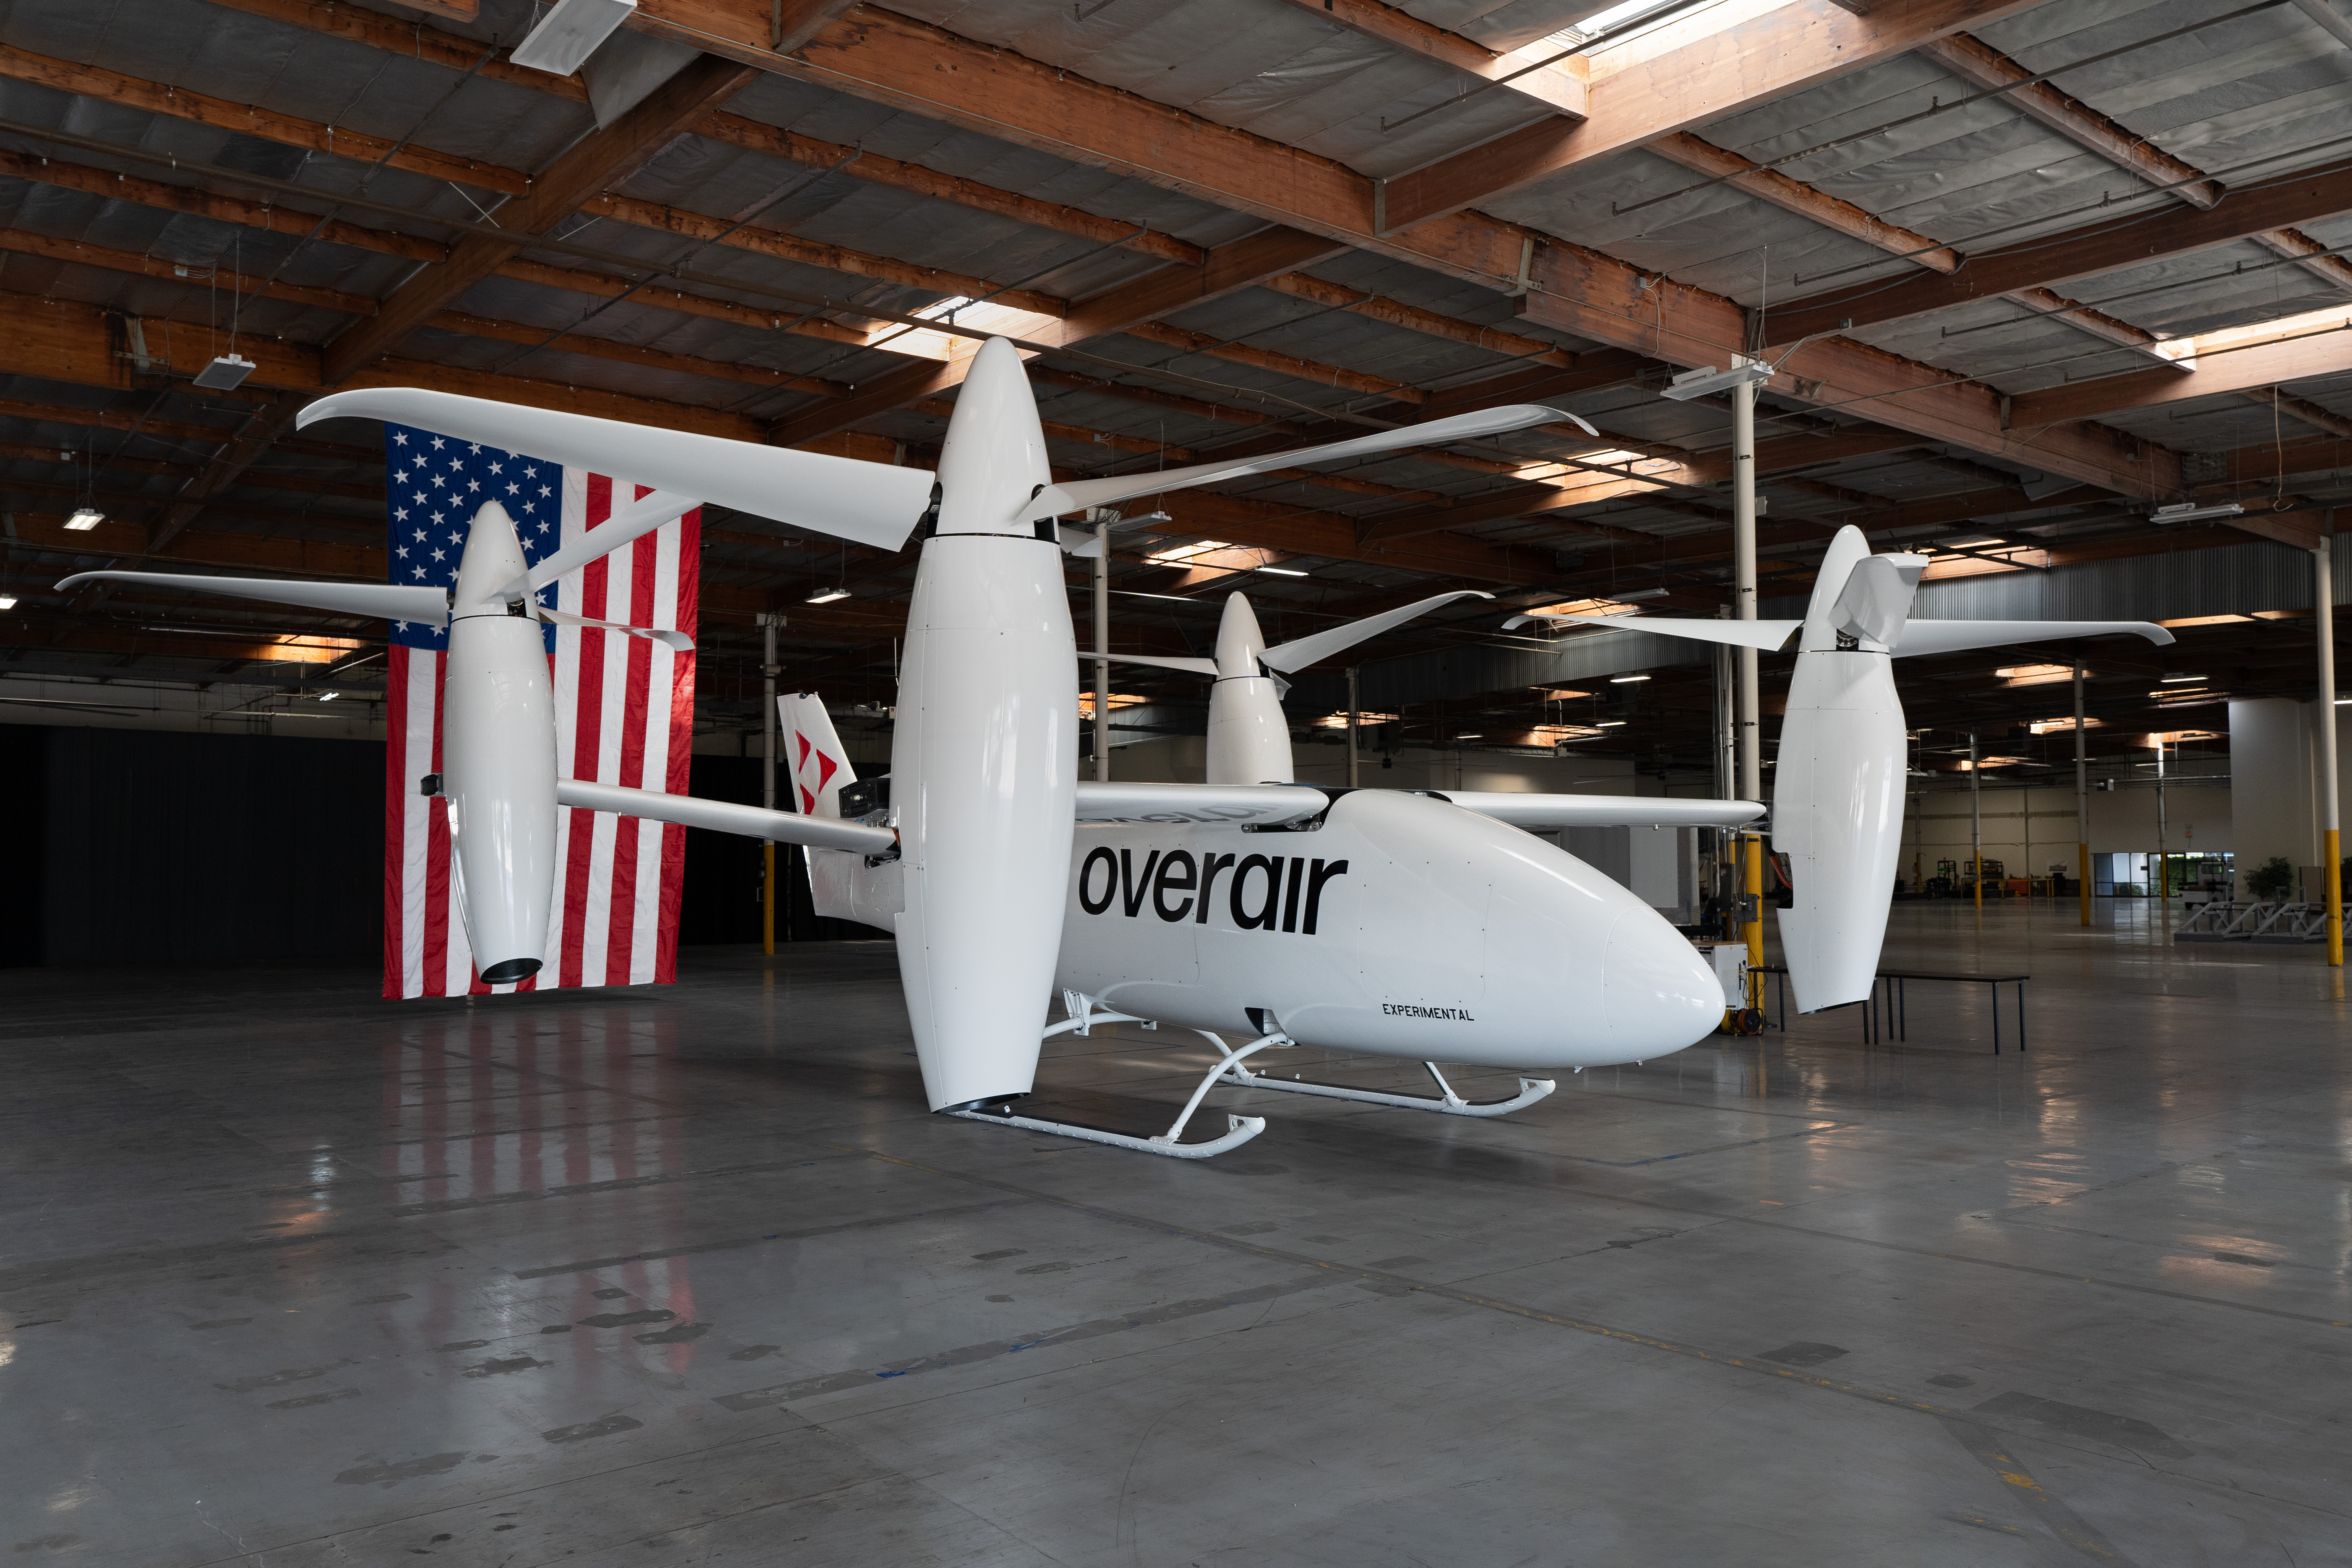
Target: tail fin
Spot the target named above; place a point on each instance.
(814, 755)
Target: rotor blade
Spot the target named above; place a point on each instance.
(1303, 651)
(1954, 636)
(1769, 635)
(624, 527)
(1207, 667)
(393, 600)
(872, 503)
(675, 640)
(726, 816)
(1080, 493)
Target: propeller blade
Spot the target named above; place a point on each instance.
(872, 503)
(1769, 635)
(627, 526)
(1207, 667)
(1298, 654)
(679, 640)
(1078, 494)
(427, 606)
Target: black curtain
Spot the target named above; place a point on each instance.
(157, 847)
(721, 903)
(164, 848)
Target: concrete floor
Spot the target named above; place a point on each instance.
(297, 1277)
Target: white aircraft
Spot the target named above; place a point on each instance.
(1837, 786)
(1449, 934)
(1413, 924)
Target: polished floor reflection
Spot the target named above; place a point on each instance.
(289, 1276)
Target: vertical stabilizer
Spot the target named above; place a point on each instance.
(814, 755)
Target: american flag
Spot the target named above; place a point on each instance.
(623, 715)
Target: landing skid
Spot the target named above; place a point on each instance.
(1233, 1071)
(1452, 1104)
(1083, 1015)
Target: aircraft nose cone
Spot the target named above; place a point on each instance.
(1657, 995)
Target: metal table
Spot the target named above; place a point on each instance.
(1889, 1001)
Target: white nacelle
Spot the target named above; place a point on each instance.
(1402, 925)
(498, 758)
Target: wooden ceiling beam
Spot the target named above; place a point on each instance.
(1980, 65)
(66, 341)
(607, 157)
(164, 429)
(2107, 245)
(1590, 488)
(1236, 265)
(1712, 77)
(1832, 212)
(250, 120)
(411, 40)
(2260, 366)
(1594, 296)
(1528, 74)
(2301, 409)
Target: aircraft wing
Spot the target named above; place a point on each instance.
(1542, 813)
(1174, 802)
(726, 816)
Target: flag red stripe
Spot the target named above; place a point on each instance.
(636, 661)
(587, 737)
(395, 810)
(686, 575)
(437, 874)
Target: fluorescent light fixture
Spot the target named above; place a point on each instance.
(1472, 735)
(827, 595)
(2035, 674)
(2176, 680)
(1707, 381)
(1626, 679)
(1559, 693)
(85, 518)
(8, 601)
(1609, 724)
(2190, 511)
(1642, 593)
(1283, 570)
(569, 33)
(226, 373)
(329, 695)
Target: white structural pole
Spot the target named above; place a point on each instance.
(1102, 645)
(2330, 838)
(2081, 804)
(2163, 889)
(1751, 732)
(1355, 703)
(768, 670)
